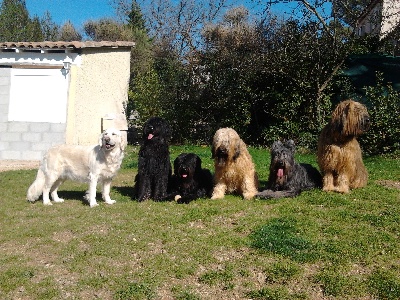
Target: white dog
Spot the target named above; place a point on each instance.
(92, 164)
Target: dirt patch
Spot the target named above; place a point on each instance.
(390, 184)
(11, 164)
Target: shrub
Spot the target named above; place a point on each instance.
(384, 109)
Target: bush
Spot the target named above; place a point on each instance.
(384, 108)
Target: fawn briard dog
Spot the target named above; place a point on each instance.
(339, 153)
(234, 167)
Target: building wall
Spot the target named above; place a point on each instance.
(98, 89)
(371, 22)
(5, 74)
(381, 18)
(390, 17)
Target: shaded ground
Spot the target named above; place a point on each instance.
(390, 183)
(7, 165)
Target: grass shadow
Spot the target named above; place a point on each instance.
(126, 191)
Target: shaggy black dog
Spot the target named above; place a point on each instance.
(190, 181)
(287, 178)
(154, 167)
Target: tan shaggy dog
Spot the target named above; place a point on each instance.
(339, 154)
(92, 164)
(234, 167)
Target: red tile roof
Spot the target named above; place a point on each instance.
(66, 45)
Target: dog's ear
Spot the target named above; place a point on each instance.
(123, 139)
(176, 163)
(291, 145)
(276, 145)
(213, 154)
(237, 151)
(101, 139)
(339, 117)
(344, 117)
(198, 163)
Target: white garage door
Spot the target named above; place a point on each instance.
(38, 95)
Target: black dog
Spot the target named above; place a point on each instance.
(190, 181)
(288, 178)
(154, 166)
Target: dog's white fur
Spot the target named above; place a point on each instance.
(92, 164)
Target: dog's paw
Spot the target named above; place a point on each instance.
(177, 197)
(248, 196)
(266, 194)
(94, 204)
(342, 190)
(58, 200)
(47, 203)
(110, 201)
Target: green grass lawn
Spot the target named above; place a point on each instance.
(315, 246)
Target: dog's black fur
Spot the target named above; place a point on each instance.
(190, 181)
(287, 178)
(154, 166)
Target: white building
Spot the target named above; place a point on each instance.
(60, 92)
(380, 17)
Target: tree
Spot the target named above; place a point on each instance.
(107, 29)
(50, 29)
(34, 30)
(14, 21)
(348, 11)
(231, 59)
(68, 33)
(269, 77)
(135, 17)
(16, 25)
(175, 25)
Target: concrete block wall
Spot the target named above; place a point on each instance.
(29, 141)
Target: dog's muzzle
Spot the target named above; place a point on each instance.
(183, 172)
(279, 168)
(107, 143)
(149, 133)
(366, 123)
(222, 156)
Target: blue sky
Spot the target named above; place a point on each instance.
(77, 11)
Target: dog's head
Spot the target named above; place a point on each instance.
(350, 118)
(111, 139)
(282, 160)
(156, 129)
(226, 146)
(186, 165)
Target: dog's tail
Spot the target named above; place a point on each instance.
(36, 188)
